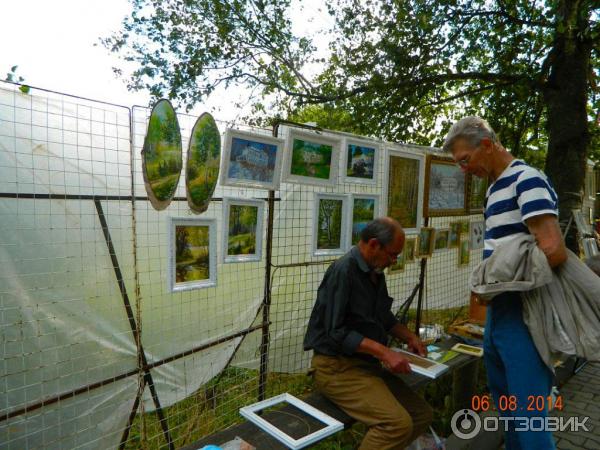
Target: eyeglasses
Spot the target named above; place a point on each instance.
(392, 255)
(465, 161)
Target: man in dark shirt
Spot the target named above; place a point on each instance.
(348, 331)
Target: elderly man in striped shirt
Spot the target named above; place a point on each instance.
(519, 200)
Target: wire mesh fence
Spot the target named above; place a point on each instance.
(97, 351)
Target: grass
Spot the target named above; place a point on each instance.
(215, 405)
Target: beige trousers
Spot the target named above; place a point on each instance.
(394, 413)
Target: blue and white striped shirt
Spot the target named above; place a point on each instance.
(519, 193)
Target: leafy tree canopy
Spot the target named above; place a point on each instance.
(402, 70)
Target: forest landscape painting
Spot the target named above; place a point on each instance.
(192, 254)
(330, 224)
(202, 170)
(161, 155)
(243, 221)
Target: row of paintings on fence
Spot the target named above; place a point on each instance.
(460, 235)
(337, 223)
(416, 185)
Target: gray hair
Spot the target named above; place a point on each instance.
(594, 264)
(471, 128)
(383, 229)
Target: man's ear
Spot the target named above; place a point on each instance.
(373, 244)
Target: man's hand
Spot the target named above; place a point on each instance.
(395, 362)
(416, 345)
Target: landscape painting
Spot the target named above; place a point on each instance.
(161, 155)
(360, 161)
(364, 209)
(203, 161)
(425, 242)
(463, 253)
(409, 249)
(192, 252)
(445, 188)
(404, 190)
(454, 235)
(312, 159)
(441, 239)
(330, 224)
(243, 224)
(251, 160)
(477, 190)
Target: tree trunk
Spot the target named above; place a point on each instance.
(565, 94)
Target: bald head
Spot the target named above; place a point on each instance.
(384, 229)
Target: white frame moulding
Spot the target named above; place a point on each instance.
(212, 249)
(227, 203)
(405, 152)
(250, 413)
(344, 160)
(344, 227)
(334, 142)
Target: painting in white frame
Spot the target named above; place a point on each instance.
(311, 158)
(360, 161)
(404, 187)
(251, 160)
(242, 230)
(251, 413)
(365, 208)
(330, 224)
(192, 253)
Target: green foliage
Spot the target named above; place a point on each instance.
(13, 77)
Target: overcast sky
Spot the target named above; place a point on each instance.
(52, 42)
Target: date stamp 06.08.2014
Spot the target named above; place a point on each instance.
(538, 403)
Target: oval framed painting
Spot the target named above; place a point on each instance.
(203, 160)
(162, 155)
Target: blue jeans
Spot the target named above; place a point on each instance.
(516, 373)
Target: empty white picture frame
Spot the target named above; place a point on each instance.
(360, 161)
(242, 230)
(251, 160)
(311, 158)
(332, 425)
(330, 224)
(192, 253)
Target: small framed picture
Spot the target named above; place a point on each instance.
(360, 161)
(192, 254)
(251, 160)
(365, 208)
(404, 187)
(330, 224)
(409, 249)
(454, 234)
(425, 242)
(477, 188)
(463, 250)
(445, 188)
(311, 158)
(441, 239)
(243, 226)
(477, 235)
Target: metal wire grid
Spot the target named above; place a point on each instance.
(60, 159)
